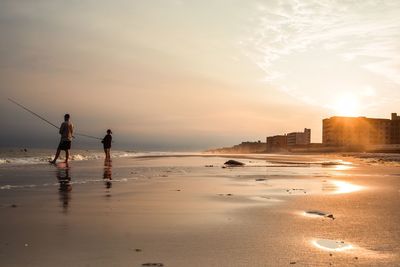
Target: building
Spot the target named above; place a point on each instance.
(395, 131)
(276, 143)
(284, 142)
(360, 131)
(299, 138)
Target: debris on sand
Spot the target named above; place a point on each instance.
(209, 166)
(295, 190)
(225, 195)
(320, 213)
(330, 216)
(153, 264)
(233, 163)
(260, 179)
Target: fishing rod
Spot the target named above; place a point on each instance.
(45, 120)
(30, 111)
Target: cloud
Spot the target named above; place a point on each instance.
(311, 49)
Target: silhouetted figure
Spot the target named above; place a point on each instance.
(66, 131)
(107, 175)
(65, 188)
(107, 144)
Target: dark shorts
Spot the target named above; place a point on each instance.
(64, 145)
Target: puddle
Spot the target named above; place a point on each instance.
(341, 246)
(309, 186)
(331, 245)
(265, 198)
(342, 187)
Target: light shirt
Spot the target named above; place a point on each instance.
(66, 131)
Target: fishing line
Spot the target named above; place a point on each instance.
(52, 124)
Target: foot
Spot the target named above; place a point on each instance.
(52, 161)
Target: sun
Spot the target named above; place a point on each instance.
(347, 105)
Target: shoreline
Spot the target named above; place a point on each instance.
(19, 157)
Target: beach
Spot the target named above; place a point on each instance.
(192, 210)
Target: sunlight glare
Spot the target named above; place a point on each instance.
(347, 105)
(343, 187)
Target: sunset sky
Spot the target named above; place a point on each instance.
(189, 75)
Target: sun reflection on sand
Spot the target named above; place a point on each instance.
(343, 167)
(342, 187)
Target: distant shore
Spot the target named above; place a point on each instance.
(314, 148)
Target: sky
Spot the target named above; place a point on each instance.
(190, 75)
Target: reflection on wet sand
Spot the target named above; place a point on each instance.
(107, 176)
(331, 245)
(343, 167)
(304, 187)
(341, 187)
(65, 187)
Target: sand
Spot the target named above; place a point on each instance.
(175, 211)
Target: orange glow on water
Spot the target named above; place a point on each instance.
(342, 187)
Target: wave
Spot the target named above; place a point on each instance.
(44, 158)
(88, 181)
(21, 157)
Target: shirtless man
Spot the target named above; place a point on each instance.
(66, 131)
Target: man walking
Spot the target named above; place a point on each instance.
(66, 131)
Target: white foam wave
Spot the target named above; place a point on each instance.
(81, 182)
(24, 160)
(11, 160)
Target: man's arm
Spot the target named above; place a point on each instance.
(61, 128)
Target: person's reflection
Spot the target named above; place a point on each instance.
(107, 177)
(64, 180)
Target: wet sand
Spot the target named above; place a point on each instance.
(175, 211)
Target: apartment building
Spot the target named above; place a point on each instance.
(299, 138)
(360, 131)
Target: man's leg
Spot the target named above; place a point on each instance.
(56, 156)
(66, 155)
